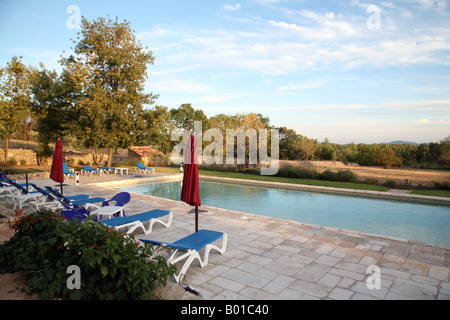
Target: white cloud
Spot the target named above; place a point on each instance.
(232, 7)
(422, 121)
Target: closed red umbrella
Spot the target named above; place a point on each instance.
(56, 173)
(190, 192)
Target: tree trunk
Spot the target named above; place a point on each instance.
(6, 150)
(110, 152)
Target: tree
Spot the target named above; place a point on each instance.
(302, 148)
(185, 115)
(326, 151)
(286, 140)
(445, 156)
(110, 66)
(387, 157)
(159, 128)
(250, 124)
(53, 96)
(14, 98)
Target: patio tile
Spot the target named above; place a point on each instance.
(249, 267)
(444, 287)
(290, 294)
(259, 260)
(327, 260)
(254, 294)
(361, 287)
(347, 274)
(340, 294)
(267, 258)
(229, 295)
(414, 289)
(329, 280)
(246, 278)
(312, 272)
(309, 288)
(278, 284)
(283, 268)
(227, 284)
(438, 272)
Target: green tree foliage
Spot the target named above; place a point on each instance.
(294, 146)
(184, 117)
(14, 98)
(386, 157)
(159, 127)
(110, 66)
(247, 122)
(52, 97)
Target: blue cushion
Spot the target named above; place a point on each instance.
(143, 217)
(195, 241)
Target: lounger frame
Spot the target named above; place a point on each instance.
(177, 254)
(146, 226)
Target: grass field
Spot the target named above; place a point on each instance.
(426, 177)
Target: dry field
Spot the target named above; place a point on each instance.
(417, 177)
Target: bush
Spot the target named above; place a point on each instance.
(341, 176)
(112, 265)
(345, 176)
(12, 161)
(289, 171)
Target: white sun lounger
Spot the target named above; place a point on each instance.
(188, 248)
(144, 221)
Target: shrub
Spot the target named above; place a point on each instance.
(345, 176)
(391, 184)
(341, 175)
(112, 265)
(12, 162)
(290, 171)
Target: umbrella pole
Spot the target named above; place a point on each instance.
(61, 188)
(196, 218)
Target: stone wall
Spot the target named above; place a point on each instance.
(28, 157)
(20, 156)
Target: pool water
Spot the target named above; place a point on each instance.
(412, 221)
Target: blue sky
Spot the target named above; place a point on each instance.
(351, 71)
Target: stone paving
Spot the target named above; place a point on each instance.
(268, 258)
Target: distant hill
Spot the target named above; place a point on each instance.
(401, 142)
(392, 142)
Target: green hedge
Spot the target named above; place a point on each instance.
(112, 265)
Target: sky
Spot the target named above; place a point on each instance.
(350, 71)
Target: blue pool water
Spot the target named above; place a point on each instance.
(413, 221)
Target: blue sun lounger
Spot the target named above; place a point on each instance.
(143, 168)
(90, 170)
(139, 220)
(66, 171)
(189, 247)
(77, 200)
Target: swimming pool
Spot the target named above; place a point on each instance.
(413, 221)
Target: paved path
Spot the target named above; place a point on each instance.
(270, 258)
